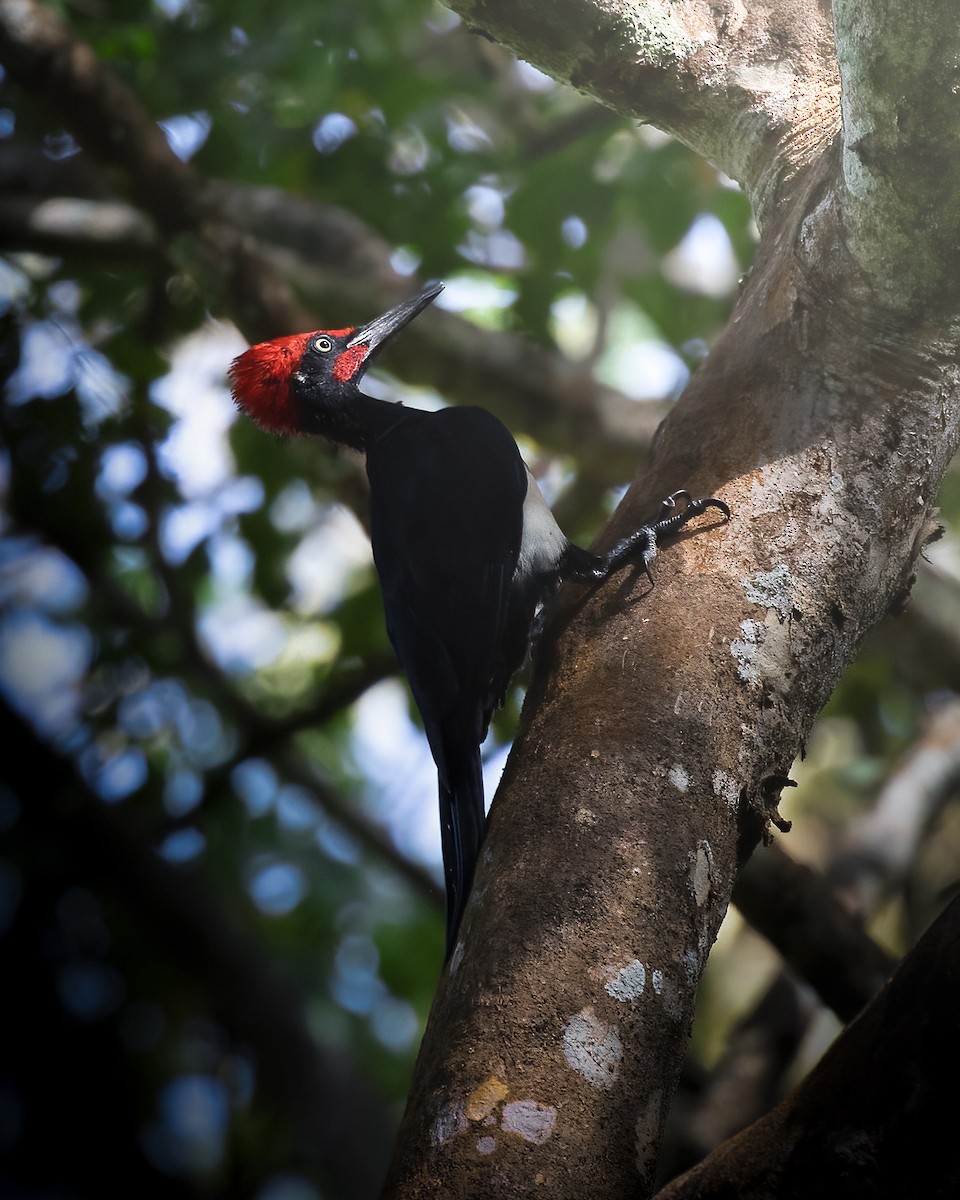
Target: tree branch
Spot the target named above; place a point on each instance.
(871, 1116)
(823, 942)
(754, 89)
(656, 726)
(901, 145)
(747, 1081)
(811, 923)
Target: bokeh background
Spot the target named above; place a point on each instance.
(220, 913)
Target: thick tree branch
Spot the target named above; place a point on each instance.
(657, 726)
(747, 1081)
(872, 1116)
(820, 938)
(714, 689)
(752, 88)
(810, 923)
(901, 145)
(654, 724)
(823, 943)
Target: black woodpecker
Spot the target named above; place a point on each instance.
(465, 546)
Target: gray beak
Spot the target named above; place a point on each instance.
(381, 329)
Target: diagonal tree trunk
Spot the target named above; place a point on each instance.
(659, 727)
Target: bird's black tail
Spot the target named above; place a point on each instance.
(462, 826)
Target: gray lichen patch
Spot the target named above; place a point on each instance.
(593, 1048)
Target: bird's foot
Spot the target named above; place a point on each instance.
(641, 545)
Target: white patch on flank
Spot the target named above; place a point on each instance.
(542, 541)
(534, 1122)
(628, 983)
(593, 1049)
(678, 777)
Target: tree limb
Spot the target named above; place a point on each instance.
(808, 918)
(748, 87)
(747, 1081)
(901, 146)
(871, 1114)
(656, 726)
(823, 943)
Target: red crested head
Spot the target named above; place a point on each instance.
(308, 382)
(261, 380)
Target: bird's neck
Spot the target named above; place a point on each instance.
(358, 421)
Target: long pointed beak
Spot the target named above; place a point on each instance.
(382, 329)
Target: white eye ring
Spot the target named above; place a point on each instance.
(323, 344)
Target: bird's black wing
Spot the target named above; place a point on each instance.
(446, 511)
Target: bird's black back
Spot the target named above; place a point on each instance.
(446, 538)
(446, 517)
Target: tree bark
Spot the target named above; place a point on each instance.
(658, 727)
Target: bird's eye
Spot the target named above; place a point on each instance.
(323, 344)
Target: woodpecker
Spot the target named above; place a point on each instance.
(466, 549)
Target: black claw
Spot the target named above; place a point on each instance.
(692, 508)
(667, 506)
(647, 563)
(641, 546)
(712, 502)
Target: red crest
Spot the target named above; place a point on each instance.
(260, 380)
